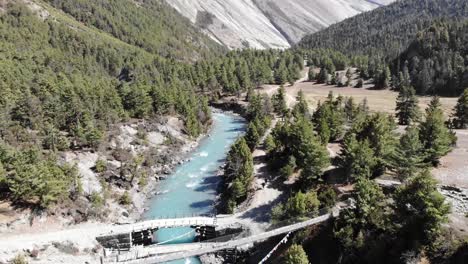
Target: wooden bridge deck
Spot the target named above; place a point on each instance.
(163, 223)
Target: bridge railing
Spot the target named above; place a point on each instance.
(295, 220)
(180, 215)
(276, 225)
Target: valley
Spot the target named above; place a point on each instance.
(251, 131)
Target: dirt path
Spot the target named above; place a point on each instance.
(291, 91)
(255, 212)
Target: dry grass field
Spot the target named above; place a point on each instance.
(378, 100)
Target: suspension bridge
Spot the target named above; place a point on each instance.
(159, 253)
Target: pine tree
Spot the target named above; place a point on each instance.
(252, 136)
(322, 77)
(409, 155)
(323, 130)
(349, 75)
(238, 174)
(301, 109)
(360, 83)
(281, 74)
(331, 113)
(350, 109)
(434, 135)
(407, 106)
(312, 75)
(296, 255)
(377, 129)
(420, 209)
(357, 158)
(279, 102)
(358, 225)
(460, 115)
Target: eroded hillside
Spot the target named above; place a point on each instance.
(267, 23)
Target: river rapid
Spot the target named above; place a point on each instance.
(191, 189)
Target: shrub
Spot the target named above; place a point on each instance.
(125, 199)
(101, 166)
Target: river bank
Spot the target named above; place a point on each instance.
(69, 231)
(53, 242)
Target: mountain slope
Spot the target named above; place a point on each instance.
(236, 24)
(436, 61)
(267, 23)
(297, 18)
(148, 24)
(386, 30)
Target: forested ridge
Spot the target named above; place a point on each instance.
(392, 43)
(437, 60)
(150, 24)
(385, 31)
(64, 84)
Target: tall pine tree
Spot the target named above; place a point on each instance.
(407, 106)
(434, 135)
(460, 115)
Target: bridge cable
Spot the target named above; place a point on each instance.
(283, 241)
(175, 238)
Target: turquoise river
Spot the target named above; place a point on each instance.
(191, 189)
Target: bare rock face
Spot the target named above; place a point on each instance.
(264, 24)
(236, 24)
(296, 18)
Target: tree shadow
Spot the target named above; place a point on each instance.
(202, 204)
(209, 183)
(262, 213)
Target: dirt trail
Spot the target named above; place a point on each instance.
(255, 212)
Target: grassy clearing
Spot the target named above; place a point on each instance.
(378, 100)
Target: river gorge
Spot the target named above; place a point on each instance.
(191, 189)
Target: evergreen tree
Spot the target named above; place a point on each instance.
(357, 158)
(296, 138)
(238, 174)
(252, 136)
(350, 109)
(360, 83)
(382, 79)
(296, 255)
(323, 130)
(407, 106)
(281, 74)
(312, 75)
(378, 130)
(288, 169)
(420, 209)
(349, 75)
(434, 135)
(330, 114)
(301, 109)
(409, 155)
(361, 223)
(322, 77)
(301, 205)
(460, 115)
(279, 102)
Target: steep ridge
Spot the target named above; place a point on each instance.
(267, 23)
(296, 18)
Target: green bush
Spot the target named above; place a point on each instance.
(101, 166)
(125, 199)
